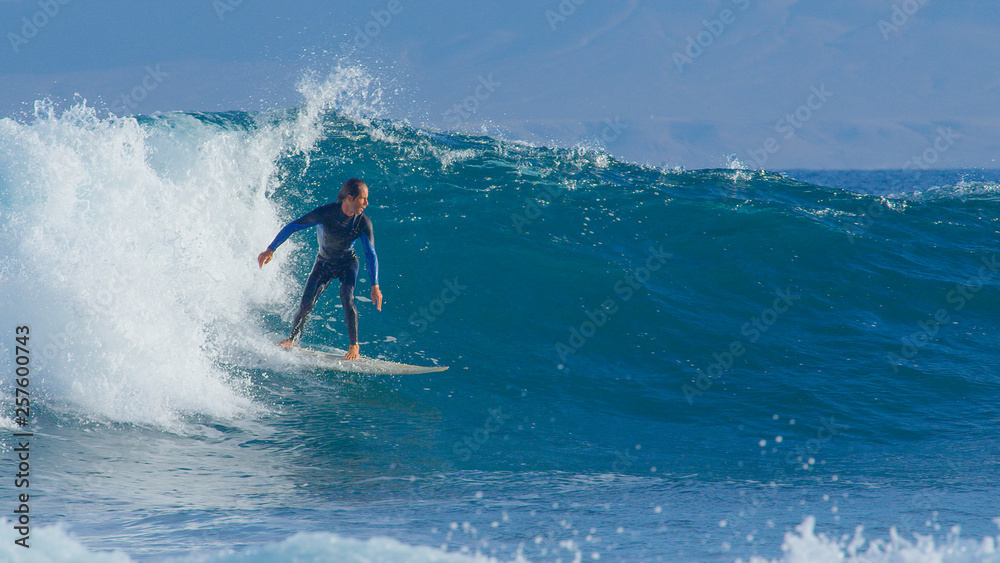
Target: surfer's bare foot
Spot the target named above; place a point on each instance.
(286, 343)
(353, 353)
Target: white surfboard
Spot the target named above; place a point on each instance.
(335, 361)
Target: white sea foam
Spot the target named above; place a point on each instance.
(129, 249)
(52, 544)
(805, 545)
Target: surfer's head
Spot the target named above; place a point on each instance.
(353, 197)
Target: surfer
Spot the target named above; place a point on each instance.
(340, 224)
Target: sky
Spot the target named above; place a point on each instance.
(776, 84)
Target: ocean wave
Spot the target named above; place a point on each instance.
(53, 544)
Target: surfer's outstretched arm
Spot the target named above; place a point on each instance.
(304, 222)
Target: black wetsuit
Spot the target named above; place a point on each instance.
(336, 259)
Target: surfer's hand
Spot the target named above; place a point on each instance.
(264, 257)
(353, 353)
(377, 297)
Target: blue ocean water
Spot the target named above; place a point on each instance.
(647, 364)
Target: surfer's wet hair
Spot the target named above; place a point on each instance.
(351, 188)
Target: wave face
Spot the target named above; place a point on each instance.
(623, 340)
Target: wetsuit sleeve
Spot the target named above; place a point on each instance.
(304, 222)
(368, 243)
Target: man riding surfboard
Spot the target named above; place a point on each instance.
(340, 224)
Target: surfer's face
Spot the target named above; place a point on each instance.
(356, 205)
